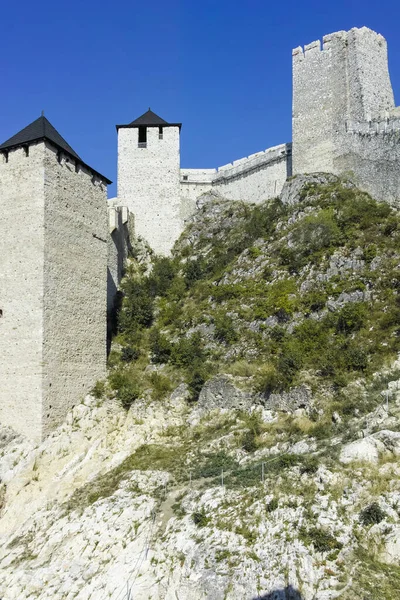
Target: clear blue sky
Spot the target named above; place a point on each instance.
(221, 68)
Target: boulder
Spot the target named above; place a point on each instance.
(220, 392)
(292, 188)
(293, 399)
(390, 553)
(366, 449)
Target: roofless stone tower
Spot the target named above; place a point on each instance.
(149, 178)
(53, 265)
(344, 116)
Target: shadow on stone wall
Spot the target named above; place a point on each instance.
(289, 593)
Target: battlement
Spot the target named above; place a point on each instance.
(373, 127)
(336, 41)
(253, 162)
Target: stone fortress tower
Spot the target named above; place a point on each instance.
(148, 178)
(53, 268)
(344, 117)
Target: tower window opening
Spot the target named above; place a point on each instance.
(185, 178)
(142, 137)
(160, 133)
(1, 313)
(26, 150)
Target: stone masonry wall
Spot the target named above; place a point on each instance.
(120, 234)
(148, 183)
(344, 117)
(75, 276)
(253, 178)
(21, 289)
(257, 177)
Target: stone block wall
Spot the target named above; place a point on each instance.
(53, 271)
(148, 184)
(21, 288)
(75, 276)
(120, 233)
(254, 178)
(257, 177)
(344, 118)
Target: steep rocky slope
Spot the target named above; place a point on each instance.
(246, 442)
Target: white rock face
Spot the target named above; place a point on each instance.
(69, 528)
(391, 551)
(366, 449)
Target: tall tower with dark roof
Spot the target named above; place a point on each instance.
(53, 272)
(148, 178)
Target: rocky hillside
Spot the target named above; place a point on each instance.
(246, 442)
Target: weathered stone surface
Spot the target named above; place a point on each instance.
(293, 399)
(292, 188)
(220, 392)
(366, 449)
(391, 550)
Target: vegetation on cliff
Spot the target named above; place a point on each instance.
(277, 295)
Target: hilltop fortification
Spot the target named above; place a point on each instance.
(60, 272)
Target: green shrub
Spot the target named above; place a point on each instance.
(99, 389)
(254, 251)
(309, 465)
(127, 390)
(160, 347)
(211, 465)
(272, 505)
(200, 518)
(351, 317)
(161, 385)
(225, 329)
(315, 232)
(128, 354)
(196, 379)
(127, 394)
(194, 270)
(372, 514)
(162, 276)
(188, 351)
(249, 441)
(321, 540)
(137, 307)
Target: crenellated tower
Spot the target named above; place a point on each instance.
(344, 115)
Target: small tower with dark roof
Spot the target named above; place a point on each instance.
(148, 178)
(53, 272)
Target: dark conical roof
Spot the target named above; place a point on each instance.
(41, 129)
(150, 119)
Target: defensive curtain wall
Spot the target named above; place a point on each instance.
(344, 116)
(254, 178)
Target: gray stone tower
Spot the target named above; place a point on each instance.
(344, 116)
(149, 178)
(53, 272)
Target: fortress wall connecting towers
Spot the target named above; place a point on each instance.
(254, 178)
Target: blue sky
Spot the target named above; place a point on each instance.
(221, 68)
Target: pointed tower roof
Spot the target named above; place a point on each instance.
(150, 119)
(41, 130)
